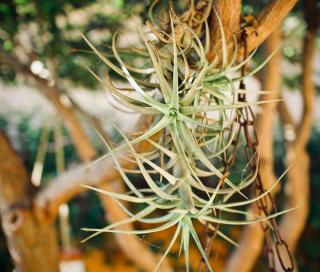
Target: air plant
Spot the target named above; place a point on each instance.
(192, 103)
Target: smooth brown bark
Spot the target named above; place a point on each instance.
(229, 12)
(31, 238)
(268, 20)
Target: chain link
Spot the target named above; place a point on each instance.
(244, 123)
(266, 204)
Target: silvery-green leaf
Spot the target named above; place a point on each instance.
(189, 97)
(148, 99)
(111, 65)
(244, 222)
(254, 71)
(162, 123)
(165, 174)
(189, 141)
(174, 238)
(123, 197)
(223, 41)
(161, 193)
(198, 243)
(147, 231)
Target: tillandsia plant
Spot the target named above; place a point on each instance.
(193, 104)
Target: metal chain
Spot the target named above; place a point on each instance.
(265, 205)
(245, 122)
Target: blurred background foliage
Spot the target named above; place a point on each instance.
(50, 31)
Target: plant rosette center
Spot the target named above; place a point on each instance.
(173, 112)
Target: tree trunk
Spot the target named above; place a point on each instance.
(31, 238)
(297, 156)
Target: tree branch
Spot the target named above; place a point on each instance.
(77, 133)
(298, 176)
(25, 229)
(269, 20)
(94, 121)
(229, 12)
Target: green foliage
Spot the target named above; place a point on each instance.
(50, 31)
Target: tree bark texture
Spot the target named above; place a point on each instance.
(31, 237)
